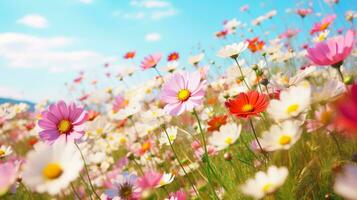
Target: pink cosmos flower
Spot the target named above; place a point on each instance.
(303, 12)
(179, 195)
(289, 33)
(62, 121)
(325, 23)
(183, 91)
(333, 51)
(150, 61)
(347, 112)
(8, 173)
(150, 179)
(244, 8)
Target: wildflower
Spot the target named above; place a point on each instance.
(183, 91)
(292, 103)
(124, 187)
(150, 179)
(51, 168)
(166, 178)
(171, 132)
(129, 55)
(62, 121)
(5, 151)
(174, 56)
(255, 44)
(216, 122)
(194, 60)
(303, 12)
(325, 23)
(281, 136)
(226, 136)
(346, 182)
(8, 174)
(265, 182)
(248, 104)
(347, 111)
(333, 51)
(233, 50)
(179, 195)
(150, 61)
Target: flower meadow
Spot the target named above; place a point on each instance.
(279, 121)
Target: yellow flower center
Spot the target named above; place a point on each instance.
(2, 152)
(292, 108)
(64, 126)
(228, 140)
(122, 140)
(171, 138)
(183, 94)
(267, 187)
(285, 139)
(52, 171)
(247, 108)
(100, 131)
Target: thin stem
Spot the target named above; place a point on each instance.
(86, 185)
(205, 154)
(158, 73)
(337, 143)
(255, 135)
(340, 74)
(266, 88)
(75, 192)
(241, 73)
(183, 169)
(87, 171)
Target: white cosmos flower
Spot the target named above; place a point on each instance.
(293, 101)
(328, 91)
(265, 182)
(233, 50)
(50, 168)
(171, 132)
(281, 136)
(99, 126)
(5, 151)
(227, 135)
(321, 36)
(166, 178)
(346, 182)
(194, 60)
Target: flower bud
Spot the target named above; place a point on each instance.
(348, 80)
(227, 156)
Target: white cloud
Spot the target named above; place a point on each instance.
(7, 92)
(150, 3)
(86, 1)
(163, 13)
(33, 20)
(152, 37)
(26, 51)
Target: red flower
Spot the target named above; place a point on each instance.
(247, 104)
(129, 55)
(222, 34)
(173, 56)
(255, 44)
(216, 122)
(347, 111)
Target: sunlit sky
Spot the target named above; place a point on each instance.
(44, 44)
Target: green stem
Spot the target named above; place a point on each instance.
(183, 169)
(205, 156)
(256, 137)
(74, 191)
(87, 171)
(241, 73)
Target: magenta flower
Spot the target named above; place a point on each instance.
(333, 51)
(150, 179)
(325, 23)
(150, 61)
(62, 122)
(179, 195)
(183, 91)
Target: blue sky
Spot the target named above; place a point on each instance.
(44, 44)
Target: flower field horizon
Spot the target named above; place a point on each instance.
(269, 111)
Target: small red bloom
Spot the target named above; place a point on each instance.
(173, 56)
(216, 122)
(255, 44)
(247, 104)
(129, 55)
(347, 112)
(222, 34)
